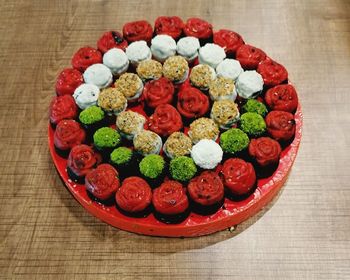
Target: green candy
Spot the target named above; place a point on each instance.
(91, 115)
(253, 124)
(182, 168)
(106, 137)
(152, 166)
(234, 140)
(121, 155)
(254, 106)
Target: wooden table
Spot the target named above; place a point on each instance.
(304, 234)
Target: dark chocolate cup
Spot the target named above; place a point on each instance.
(205, 210)
(235, 197)
(62, 153)
(108, 202)
(127, 169)
(264, 171)
(241, 154)
(74, 177)
(91, 128)
(172, 219)
(140, 214)
(104, 152)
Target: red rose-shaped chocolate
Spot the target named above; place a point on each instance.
(282, 98)
(68, 80)
(68, 134)
(170, 198)
(62, 108)
(111, 39)
(206, 189)
(135, 195)
(198, 28)
(272, 72)
(192, 103)
(158, 92)
(249, 57)
(239, 176)
(230, 41)
(265, 150)
(102, 182)
(138, 30)
(171, 26)
(85, 57)
(280, 125)
(165, 120)
(82, 159)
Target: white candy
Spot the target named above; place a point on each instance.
(229, 68)
(188, 48)
(211, 54)
(162, 47)
(137, 52)
(249, 84)
(207, 154)
(98, 75)
(86, 95)
(116, 60)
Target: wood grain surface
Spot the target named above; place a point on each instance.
(304, 233)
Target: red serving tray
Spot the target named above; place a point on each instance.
(234, 213)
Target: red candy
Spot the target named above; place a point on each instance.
(198, 28)
(82, 159)
(68, 134)
(249, 57)
(138, 30)
(111, 39)
(135, 195)
(230, 41)
(206, 189)
(265, 151)
(68, 80)
(280, 125)
(165, 120)
(239, 176)
(85, 57)
(158, 92)
(272, 72)
(282, 98)
(192, 103)
(102, 182)
(170, 198)
(62, 108)
(171, 26)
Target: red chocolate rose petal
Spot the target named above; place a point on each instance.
(282, 98)
(170, 198)
(272, 72)
(68, 134)
(171, 26)
(85, 57)
(138, 30)
(61, 108)
(165, 120)
(265, 150)
(206, 189)
(280, 125)
(239, 176)
(111, 39)
(249, 57)
(68, 80)
(157, 92)
(102, 182)
(230, 41)
(198, 28)
(192, 103)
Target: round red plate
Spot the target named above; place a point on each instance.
(234, 212)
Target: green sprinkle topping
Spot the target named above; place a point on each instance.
(91, 115)
(152, 166)
(121, 155)
(106, 137)
(182, 168)
(254, 106)
(234, 140)
(253, 124)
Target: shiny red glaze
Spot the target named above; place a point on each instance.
(135, 195)
(111, 39)
(158, 92)
(103, 181)
(68, 80)
(68, 134)
(272, 72)
(62, 108)
(82, 159)
(265, 151)
(282, 98)
(170, 198)
(198, 28)
(138, 30)
(229, 40)
(206, 189)
(85, 57)
(192, 103)
(280, 125)
(171, 26)
(249, 57)
(238, 175)
(165, 120)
